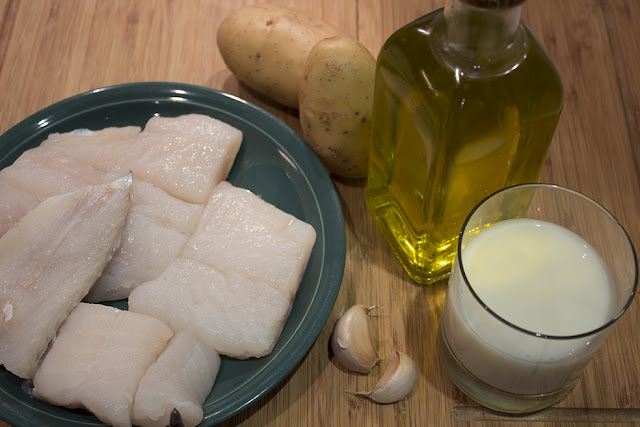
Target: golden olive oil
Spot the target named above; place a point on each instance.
(446, 137)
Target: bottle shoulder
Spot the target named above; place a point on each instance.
(409, 56)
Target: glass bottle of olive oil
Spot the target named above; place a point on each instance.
(466, 102)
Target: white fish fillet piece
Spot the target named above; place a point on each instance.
(146, 250)
(101, 150)
(41, 180)
(14, 204)
(180, 158)
(32, 183)
(239, 232)
(186, 156)
(176, 161)
(181, 378)
(156, 231)
(164, 209)
(238, 275)
(62, 163)
(97, 360)
(84, 153)
(48, 263)
(237, 317)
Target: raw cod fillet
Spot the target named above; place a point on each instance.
(97, 360)
(238, 317)
(169, 212)
(86, 153)
(14, 204)
(241, 233)
(62, 163)
(25, 184)
(181, 378)
(186, 156)
(146, 249)
(157, 228)
(237, 277)
(48, 263)
(176, 163)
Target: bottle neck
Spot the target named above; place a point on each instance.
(483, 37)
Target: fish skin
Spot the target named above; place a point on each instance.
(48, 263)
(175, 420)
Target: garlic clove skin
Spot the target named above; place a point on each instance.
(396, 382)
(351, 341)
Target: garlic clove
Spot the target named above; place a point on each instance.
(351, 341)
(396, 382)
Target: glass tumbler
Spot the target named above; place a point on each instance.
(541, 275)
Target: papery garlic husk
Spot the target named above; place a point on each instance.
(351, 341)
(396, 382)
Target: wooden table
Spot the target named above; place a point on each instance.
(53, 49)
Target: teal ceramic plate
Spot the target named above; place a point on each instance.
(274, 163)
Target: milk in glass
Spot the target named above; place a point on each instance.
(543, 284)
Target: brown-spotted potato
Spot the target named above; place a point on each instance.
(265, 46)
(336, 101)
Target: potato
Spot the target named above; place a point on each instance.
(336, 101)
(266, 45)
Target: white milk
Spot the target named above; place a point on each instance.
(540, 277)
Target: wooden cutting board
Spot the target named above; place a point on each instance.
(53, 49)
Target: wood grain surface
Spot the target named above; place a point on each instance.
(53, 49)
